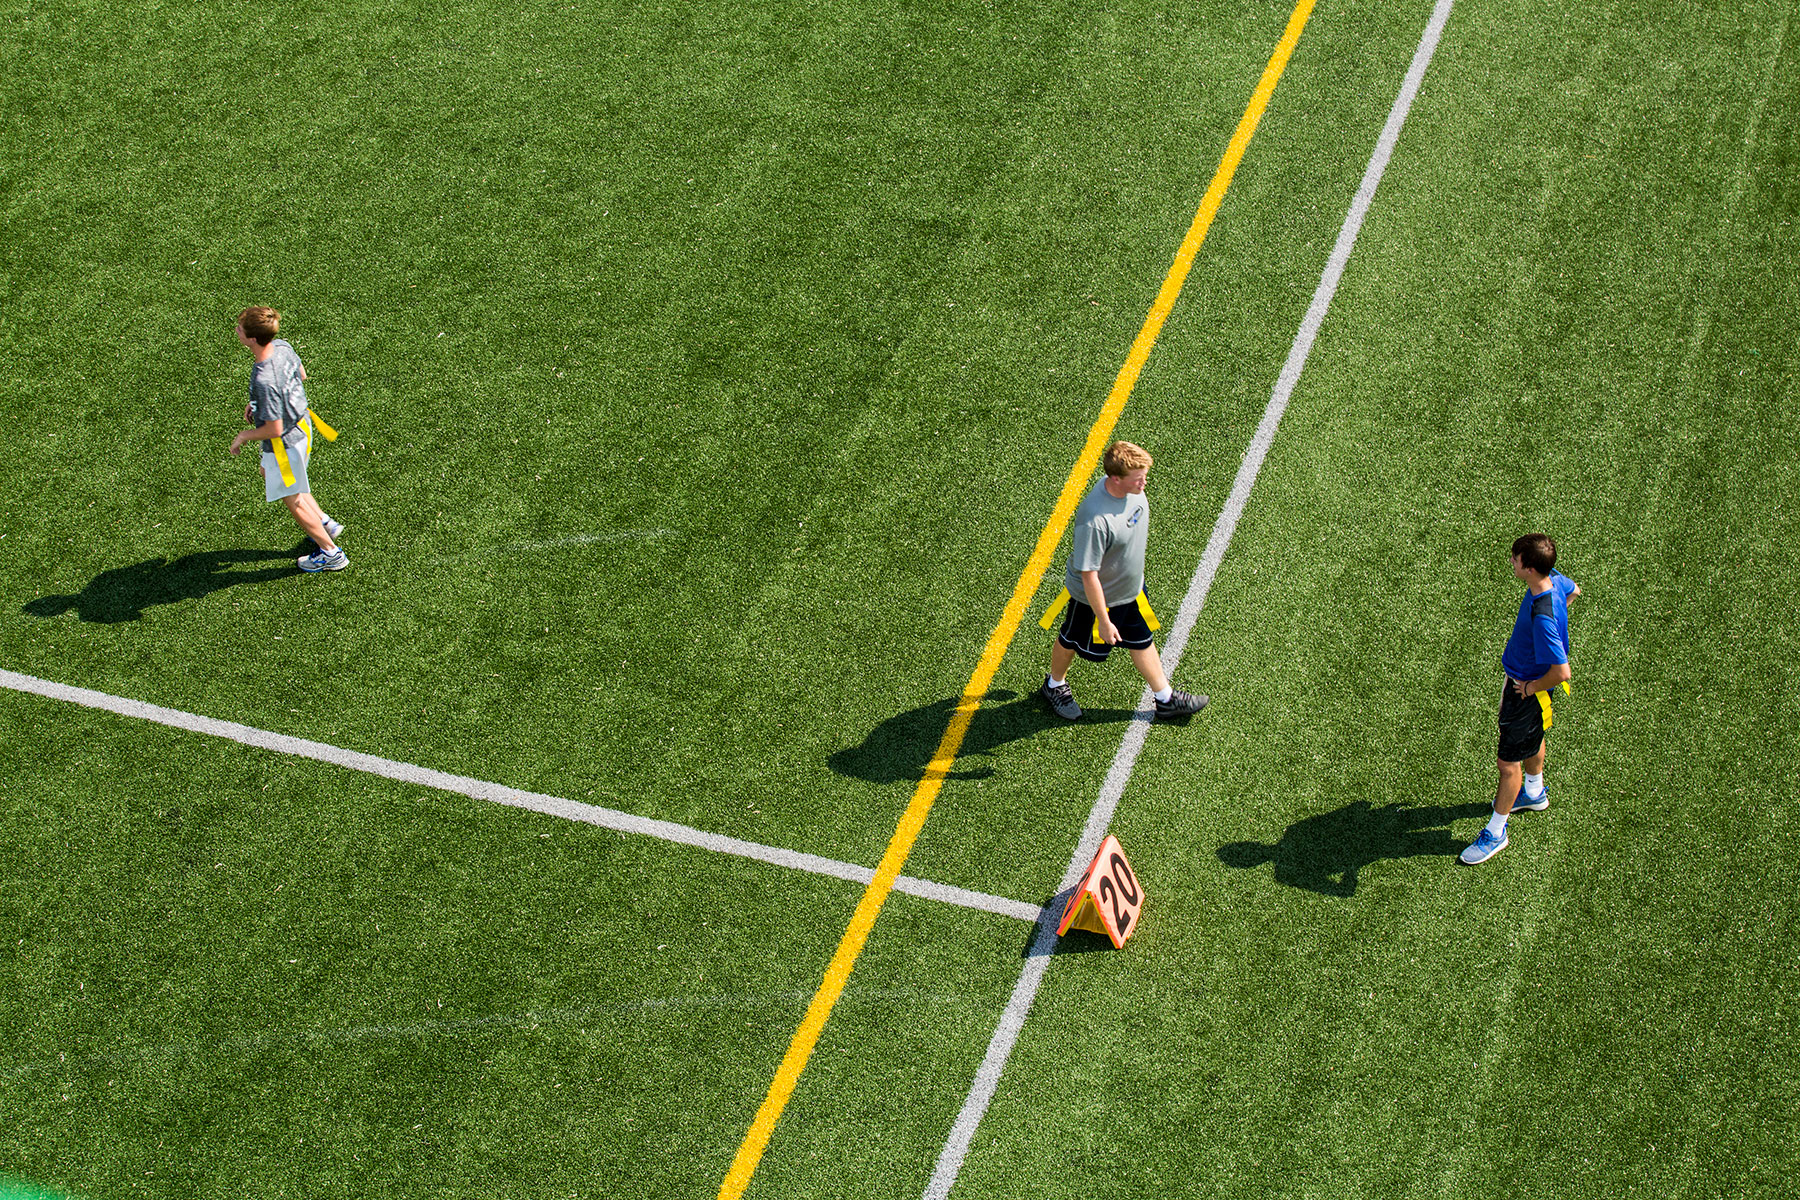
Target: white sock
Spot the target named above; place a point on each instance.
(1497, 824)
(1534, 786)
(1059, 683)
(1162, 697)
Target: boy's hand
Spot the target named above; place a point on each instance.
(270, 429)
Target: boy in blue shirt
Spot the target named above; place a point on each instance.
(1536, 659)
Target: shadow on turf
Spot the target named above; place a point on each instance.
(123, 593)
(1076, 941)
(900, 748)
(1324, 853)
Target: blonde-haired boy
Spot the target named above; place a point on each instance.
(1105, 578)
(278, 411)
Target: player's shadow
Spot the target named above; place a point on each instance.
(1324, 853)
(123, 593)
(901, 747)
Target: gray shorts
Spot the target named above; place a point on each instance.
(284, 469)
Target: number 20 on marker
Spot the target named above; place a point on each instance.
(1109, 897)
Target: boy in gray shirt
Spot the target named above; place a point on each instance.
(1105, 581)
(278, 411)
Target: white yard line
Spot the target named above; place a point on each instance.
(496, 793)
(1037, 961)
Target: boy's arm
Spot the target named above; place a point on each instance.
(267, 430)
(1096, 600)
(1574, 588)
(1543, 683)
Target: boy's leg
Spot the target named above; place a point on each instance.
(305, 511)
(332, 528)
(1060, 696)
(1507, 792)
(1533, 796)
(1492, 839)
(1535, 764)
(312, 506)
(1149, 665)
(1170, 703)
(1521, 740)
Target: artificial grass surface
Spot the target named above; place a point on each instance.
(766, 341)
(753, 557)
(1596, 1018)
(295, 982)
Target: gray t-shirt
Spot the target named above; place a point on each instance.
(1110, 533)
(276, 390)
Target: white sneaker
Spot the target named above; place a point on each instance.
(333, 529)
(324, 560)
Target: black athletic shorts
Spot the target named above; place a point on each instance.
(1521, 725)
(1077, 632)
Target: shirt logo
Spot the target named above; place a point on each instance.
(1132, 520)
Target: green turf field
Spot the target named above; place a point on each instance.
(705, 375)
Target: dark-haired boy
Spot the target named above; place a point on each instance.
(1536, 659)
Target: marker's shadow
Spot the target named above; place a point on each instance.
(1043, 940)
(123, 593)
(901, 747)
(1324, 853)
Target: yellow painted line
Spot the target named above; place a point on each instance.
(837, 973)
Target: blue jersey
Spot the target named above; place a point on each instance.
(1540, 636)
(1564, 587)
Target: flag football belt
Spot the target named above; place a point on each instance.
(307, 420)
(1543, 699)
(1062, 601)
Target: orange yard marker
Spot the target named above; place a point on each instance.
(1109, 897)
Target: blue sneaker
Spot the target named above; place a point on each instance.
(1484, 847)
(323, 560)
(333, 529)
(1526, 804)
